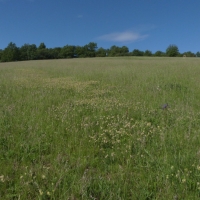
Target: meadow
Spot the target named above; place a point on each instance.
(93, 128)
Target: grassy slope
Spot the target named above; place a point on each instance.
(93, 129)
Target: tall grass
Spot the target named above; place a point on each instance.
(94, 129)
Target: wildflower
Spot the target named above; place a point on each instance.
(149, 124)
(2, 178)
(172, 167)
(198, 167)
(43, 176)
(183, 180)
(40, 191)
(48, 193)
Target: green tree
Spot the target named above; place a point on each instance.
(28, 52)
(55, 52)
(172, 51)
(137, 52)
(147, 53)
(90, 49)
(101, 52)
(189, 54)
(32, 50)
(124, 51)
(67, 52)
(118, 51)
(1, 52)
(43, 52)
(10, 53)
(24, 52)
(42, 46)
(80, 52)
(159, 53)
(113, 51)
(198, 54)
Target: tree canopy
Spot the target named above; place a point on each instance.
(32, 52)
(10, 53)
(147, 53)
(172, 51)
(198, 54)
(137, 52)
(159, 53)
(189, 54)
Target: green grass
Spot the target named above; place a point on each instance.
(93, 129)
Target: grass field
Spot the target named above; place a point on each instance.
(94, 129)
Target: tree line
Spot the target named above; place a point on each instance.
(32, 52)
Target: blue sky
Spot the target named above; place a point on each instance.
(138, 24)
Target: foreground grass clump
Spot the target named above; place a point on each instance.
(94, 129)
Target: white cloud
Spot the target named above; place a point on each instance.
(126, 36)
